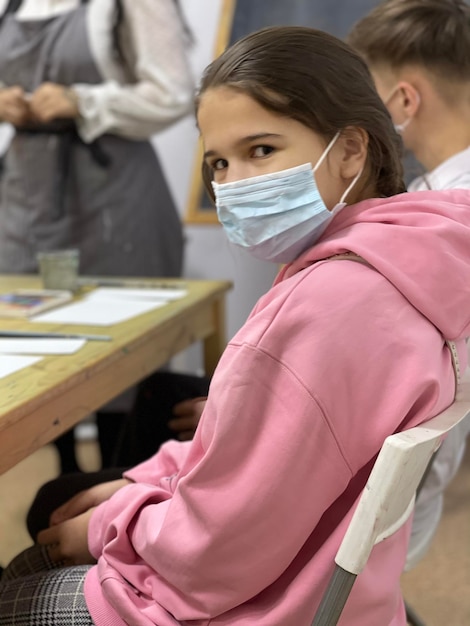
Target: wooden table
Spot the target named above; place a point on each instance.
(42, 401)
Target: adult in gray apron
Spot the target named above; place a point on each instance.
(109, 198)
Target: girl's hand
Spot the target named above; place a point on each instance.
(86, 500)
(51, 101)
(67, 543)
(187, 415)
(14, 108)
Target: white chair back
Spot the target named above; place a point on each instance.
(388, 499)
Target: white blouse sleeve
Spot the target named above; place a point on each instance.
(159, 87)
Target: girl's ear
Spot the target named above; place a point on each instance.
(353, 143)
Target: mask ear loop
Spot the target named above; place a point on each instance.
(326, 151)
(390, 95)
(351, 185)
(401, 127)
(323, 157)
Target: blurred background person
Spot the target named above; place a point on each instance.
(418, 52)
(85, 85)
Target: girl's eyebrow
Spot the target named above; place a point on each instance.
(245, 140)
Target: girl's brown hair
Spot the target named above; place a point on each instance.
(318, 80)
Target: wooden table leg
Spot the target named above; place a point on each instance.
(215, 344)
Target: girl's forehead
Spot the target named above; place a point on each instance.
(222, 96)
(231, 108)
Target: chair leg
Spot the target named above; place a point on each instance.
(412, 618)
(334, 598)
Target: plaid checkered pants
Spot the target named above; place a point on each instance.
(35, 592)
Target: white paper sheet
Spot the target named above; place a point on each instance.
(12, 363)
(98, 312)
(40, 345)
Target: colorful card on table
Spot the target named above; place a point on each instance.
(28, 302)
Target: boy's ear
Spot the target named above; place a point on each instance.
(409, 98)
(354, 142)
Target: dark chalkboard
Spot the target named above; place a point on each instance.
(333, 16)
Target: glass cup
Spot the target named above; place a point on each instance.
(59, 269)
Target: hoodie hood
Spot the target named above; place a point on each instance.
(419, 241)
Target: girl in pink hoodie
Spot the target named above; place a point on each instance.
(241, 525)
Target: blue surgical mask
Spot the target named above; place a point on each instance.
(277, 216)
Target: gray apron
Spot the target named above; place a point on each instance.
(108, 198)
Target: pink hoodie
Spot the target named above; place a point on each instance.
(241, 526)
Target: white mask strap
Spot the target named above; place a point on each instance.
(325, 152)
(401, 127)
(323, 157)
(391, 94)
(354, 181)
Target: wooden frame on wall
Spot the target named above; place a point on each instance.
(200, 209)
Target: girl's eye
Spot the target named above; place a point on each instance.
(219, 164)
(262, 151)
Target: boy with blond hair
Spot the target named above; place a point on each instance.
(418, 52)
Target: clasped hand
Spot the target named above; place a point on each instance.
(186, 417)
(48, 102)
(67, 536)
